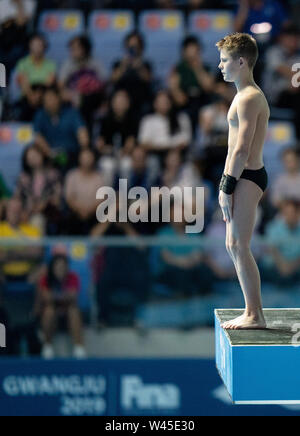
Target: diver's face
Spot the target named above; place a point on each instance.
(230, 67)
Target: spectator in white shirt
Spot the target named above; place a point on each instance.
(165, 129)
(17, 10)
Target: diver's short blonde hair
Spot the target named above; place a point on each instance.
(240, 45)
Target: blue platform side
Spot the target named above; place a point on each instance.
(258, 375)
(224, 356)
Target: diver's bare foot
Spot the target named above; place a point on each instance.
(246, 322)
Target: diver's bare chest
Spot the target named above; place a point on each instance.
(232, 118)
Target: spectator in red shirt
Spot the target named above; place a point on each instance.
(57, 298)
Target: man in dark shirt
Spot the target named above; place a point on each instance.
(119, 127)
(134, 74)
(191, 83)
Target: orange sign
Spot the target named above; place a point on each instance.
(5, 135)
(153, 22)
(203, 22)
(51, 23)
(102, 22)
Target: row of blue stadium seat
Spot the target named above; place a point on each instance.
(15, 136)
(163, 32)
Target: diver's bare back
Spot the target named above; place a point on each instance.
(255, 160)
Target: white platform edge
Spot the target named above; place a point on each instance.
(266, 403)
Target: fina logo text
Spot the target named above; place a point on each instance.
(2, 336)
(138, 395)
(2, 76)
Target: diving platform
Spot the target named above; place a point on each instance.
(260, 367)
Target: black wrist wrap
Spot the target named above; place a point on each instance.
(229, 185)
(222, 182)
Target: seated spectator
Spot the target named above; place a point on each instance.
(212, 144)
(19, 264)
(40, 190)
(190, 83)
(35, 69)
(59, 129)
(134, 74)
(213, 124)
(118, 128)
(280, 59)
(81, 78)
(58, 300)
(281, 264)
(287, 184)
(26, 109)
(178, 172)
(140, 173)
(117, 136)
(185, 174)
(182, 268)
(120, 294)
(165, 129)
(15, 16)
(5, 194)
(81, 187)
(253, 12)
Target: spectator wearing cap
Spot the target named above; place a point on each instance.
(81, 78)
(57, 300)
(59, 128)
(190, 82)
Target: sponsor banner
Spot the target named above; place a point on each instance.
(147, 387)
